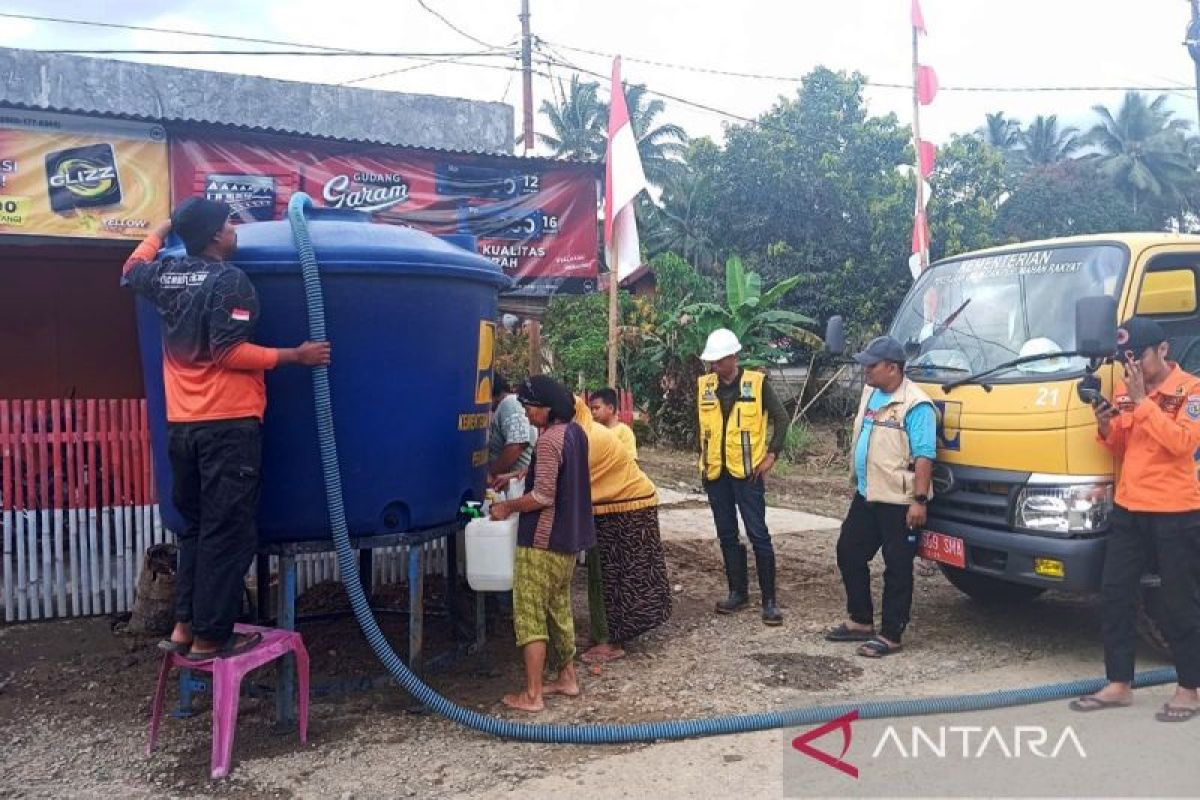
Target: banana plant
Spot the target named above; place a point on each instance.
(752, 314)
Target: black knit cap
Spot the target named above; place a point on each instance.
(197, 220)
(545, 392)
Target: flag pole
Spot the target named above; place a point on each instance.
(613, 282)
(918, 179)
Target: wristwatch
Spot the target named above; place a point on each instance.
(923, 499)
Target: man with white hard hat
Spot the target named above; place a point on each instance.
(735, 405)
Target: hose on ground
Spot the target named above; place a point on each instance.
(598, 733)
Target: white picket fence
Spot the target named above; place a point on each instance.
(78, 511)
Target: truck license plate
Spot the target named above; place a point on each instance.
(944, 549)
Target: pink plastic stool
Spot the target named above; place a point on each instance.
(227, 674)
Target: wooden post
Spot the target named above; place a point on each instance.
(535, 347)
(613, 326)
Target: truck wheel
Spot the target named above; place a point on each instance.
(1152, 619)
(986, 589)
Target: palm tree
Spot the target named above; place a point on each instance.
(676, 223)
(1043, 142)
(1142, 148)
(1001, 132)
(661, 146)
(578, 123)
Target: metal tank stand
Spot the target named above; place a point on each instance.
(285, 611)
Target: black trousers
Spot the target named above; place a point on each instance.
(869, 527)
(216, 468)
(1136, 540)
(727, 496)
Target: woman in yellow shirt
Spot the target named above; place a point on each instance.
(629, 591)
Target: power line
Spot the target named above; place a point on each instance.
(320, 53)
(457, 61)
(172, 31)
(873, 84)
(454, 27)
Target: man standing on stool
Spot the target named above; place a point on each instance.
(892, 454)
(735, 405)
(215, 394)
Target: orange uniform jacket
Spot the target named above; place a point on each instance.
(1156, 442)
(210, 369)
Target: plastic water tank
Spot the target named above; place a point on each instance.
(411, 319)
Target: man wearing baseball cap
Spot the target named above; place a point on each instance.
(216, 397)
(1152, 429)
(735, 405)
(891, 462)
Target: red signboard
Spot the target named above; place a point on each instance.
(536, 218)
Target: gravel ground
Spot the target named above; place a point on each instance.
(74, 698)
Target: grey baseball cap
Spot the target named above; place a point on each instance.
(881, 348)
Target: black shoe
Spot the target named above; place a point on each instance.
(736, 575)
(764, 564)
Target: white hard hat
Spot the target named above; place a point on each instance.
(721, 342)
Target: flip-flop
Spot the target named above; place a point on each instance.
(1172, 713)
(601, 658)
(176, 648)
(230, 649)
(1089, 703)
(878, 648)
(844, 633)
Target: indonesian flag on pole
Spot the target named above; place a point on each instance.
(624, 178)
(918, 19)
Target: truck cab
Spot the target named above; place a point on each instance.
(1022, 487)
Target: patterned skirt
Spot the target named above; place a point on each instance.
(636, 588)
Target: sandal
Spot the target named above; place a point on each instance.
(844, 633)
(231, 648)
(877, 648)
(1172, 713)
(175, 648)
(1089, 703)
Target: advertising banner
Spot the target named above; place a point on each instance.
(535, 218)
(63, 175)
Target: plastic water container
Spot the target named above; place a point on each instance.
(491, 551)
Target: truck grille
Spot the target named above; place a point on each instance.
(975, 495)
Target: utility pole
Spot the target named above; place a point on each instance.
(527, 74)
(535, 325)
(918, 178)
(1192, 43)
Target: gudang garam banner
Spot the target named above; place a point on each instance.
(64, 175)
(536, 218)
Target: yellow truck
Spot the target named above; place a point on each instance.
(1022, 488)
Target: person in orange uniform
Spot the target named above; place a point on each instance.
(215, 396)
(1153, 430)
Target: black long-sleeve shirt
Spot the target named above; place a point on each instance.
(728, 393)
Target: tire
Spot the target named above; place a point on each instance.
(1151, 621)
(989, 590)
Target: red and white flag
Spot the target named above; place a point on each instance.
(918, 19)
(624, 179)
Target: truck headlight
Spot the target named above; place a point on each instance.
(1079, 508)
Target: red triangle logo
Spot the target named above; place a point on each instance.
(842, 723)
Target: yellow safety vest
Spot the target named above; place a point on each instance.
(737, 444)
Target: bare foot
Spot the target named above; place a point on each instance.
(565, 684)
(1185, 698)
(602, 654)
(523, 702)
(1115, 693)
(182, 633)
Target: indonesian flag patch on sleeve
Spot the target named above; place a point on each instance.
(240, 315)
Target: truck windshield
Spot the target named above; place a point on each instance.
(968, 315)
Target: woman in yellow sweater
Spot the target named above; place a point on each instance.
(629, 591)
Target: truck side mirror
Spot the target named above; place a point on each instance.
(1096, 326)
(835, 336)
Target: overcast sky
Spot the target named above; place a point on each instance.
(1008, 43)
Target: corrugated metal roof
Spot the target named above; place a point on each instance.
(131, 90)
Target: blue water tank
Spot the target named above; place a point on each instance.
(411, 319)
